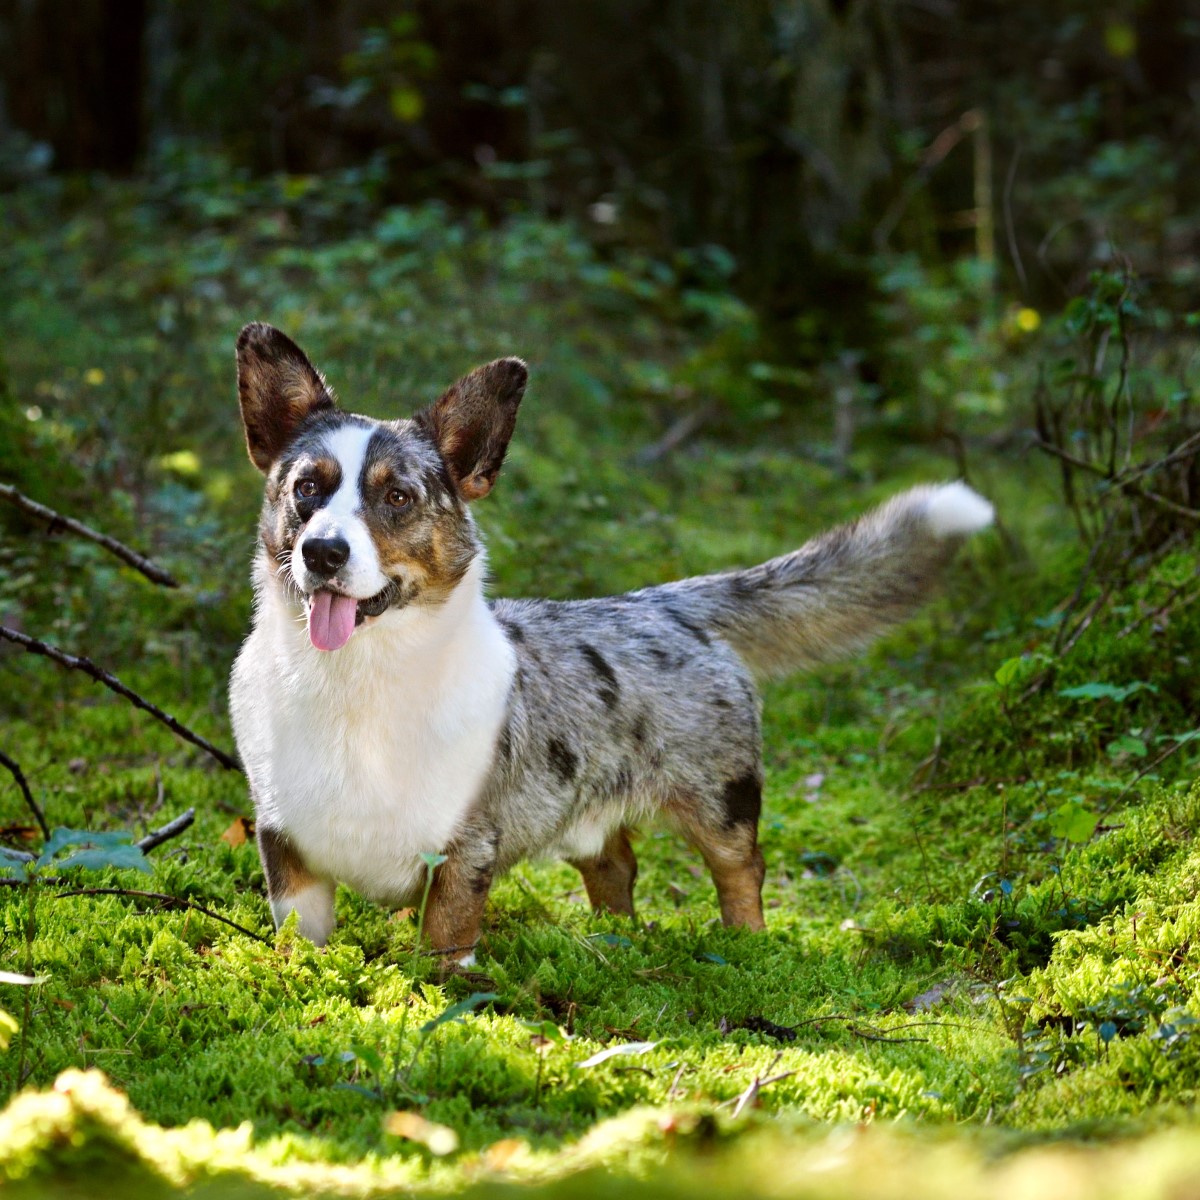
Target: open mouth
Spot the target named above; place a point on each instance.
(333, 617)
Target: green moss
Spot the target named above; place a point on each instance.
(938, 963)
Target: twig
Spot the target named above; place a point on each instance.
(756, 1085)
(874, 1037)
(23, 784)
(57, 521)
(676, 435)
(1163, 609)
(171, 829)
(1156, 761)
(114, 684)
(1013, 248)
(1117, 481)
(177, 901)
(675, 1082)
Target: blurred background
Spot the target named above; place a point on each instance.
(769, 261)
(752, 250)
(803, 137)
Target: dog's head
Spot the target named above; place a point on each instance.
(362, 516)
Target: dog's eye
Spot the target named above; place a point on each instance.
(306, 489)
(398, 498)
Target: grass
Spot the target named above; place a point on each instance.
(943, 964)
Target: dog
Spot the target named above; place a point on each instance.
(391, 717)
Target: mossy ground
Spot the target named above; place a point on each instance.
(935, 959)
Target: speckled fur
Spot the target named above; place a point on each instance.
(606, 713)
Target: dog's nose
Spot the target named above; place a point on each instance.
(325, 556)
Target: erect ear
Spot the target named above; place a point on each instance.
(277, 388)
(472, 423)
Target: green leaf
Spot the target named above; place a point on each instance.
(1073, 822)
(1126, 744)
(546, 1029)
(1106, 691)
(433, 860)
(455, 1012)
(1010, 671)
(368, 1056)
(62, 839)
(119, 858)
(611, 939)
(407, 104)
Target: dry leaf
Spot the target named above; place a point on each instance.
(240, 832)
(499, 1154)
(437, 1139)
(402, 914)
(21, 833)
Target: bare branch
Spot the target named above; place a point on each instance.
(23, 784)
(57, 521)
(171, 829)
(77, 663)
(1119, 481)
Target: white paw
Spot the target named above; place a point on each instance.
(467, 960)
(313, 906)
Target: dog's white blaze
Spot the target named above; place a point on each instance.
(313, 906)
(371, 756)
(340, 517)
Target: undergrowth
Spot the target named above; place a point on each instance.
(981, 878)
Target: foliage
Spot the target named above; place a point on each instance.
(979, 838)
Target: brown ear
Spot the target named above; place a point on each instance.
(472, 423)
(277, 388)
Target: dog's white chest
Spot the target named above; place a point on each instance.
(370, 756)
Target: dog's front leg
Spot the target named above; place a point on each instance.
(459, 892)
(292, 887)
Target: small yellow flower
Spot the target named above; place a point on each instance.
(1028, 319)
(93, 376)
(182, 462)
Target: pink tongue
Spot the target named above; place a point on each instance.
(331, 620)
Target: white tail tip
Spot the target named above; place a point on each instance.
(953, 509)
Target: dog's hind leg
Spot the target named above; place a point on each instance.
(609, 877)
(292, 887)
(726, 834)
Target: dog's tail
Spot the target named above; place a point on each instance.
(839, 590)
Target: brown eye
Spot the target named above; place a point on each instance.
(398, 498)
(306, 489)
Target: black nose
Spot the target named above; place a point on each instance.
(325, 556)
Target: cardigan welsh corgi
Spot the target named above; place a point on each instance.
(389, 715)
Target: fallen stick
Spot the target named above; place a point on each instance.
(171, 829)
(139, 562)
(23, 784)
(78, 663)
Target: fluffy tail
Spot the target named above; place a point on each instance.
(841, 589)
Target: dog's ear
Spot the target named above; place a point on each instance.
(473, 421)
(277, 388)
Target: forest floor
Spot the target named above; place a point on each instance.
(979, 971)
